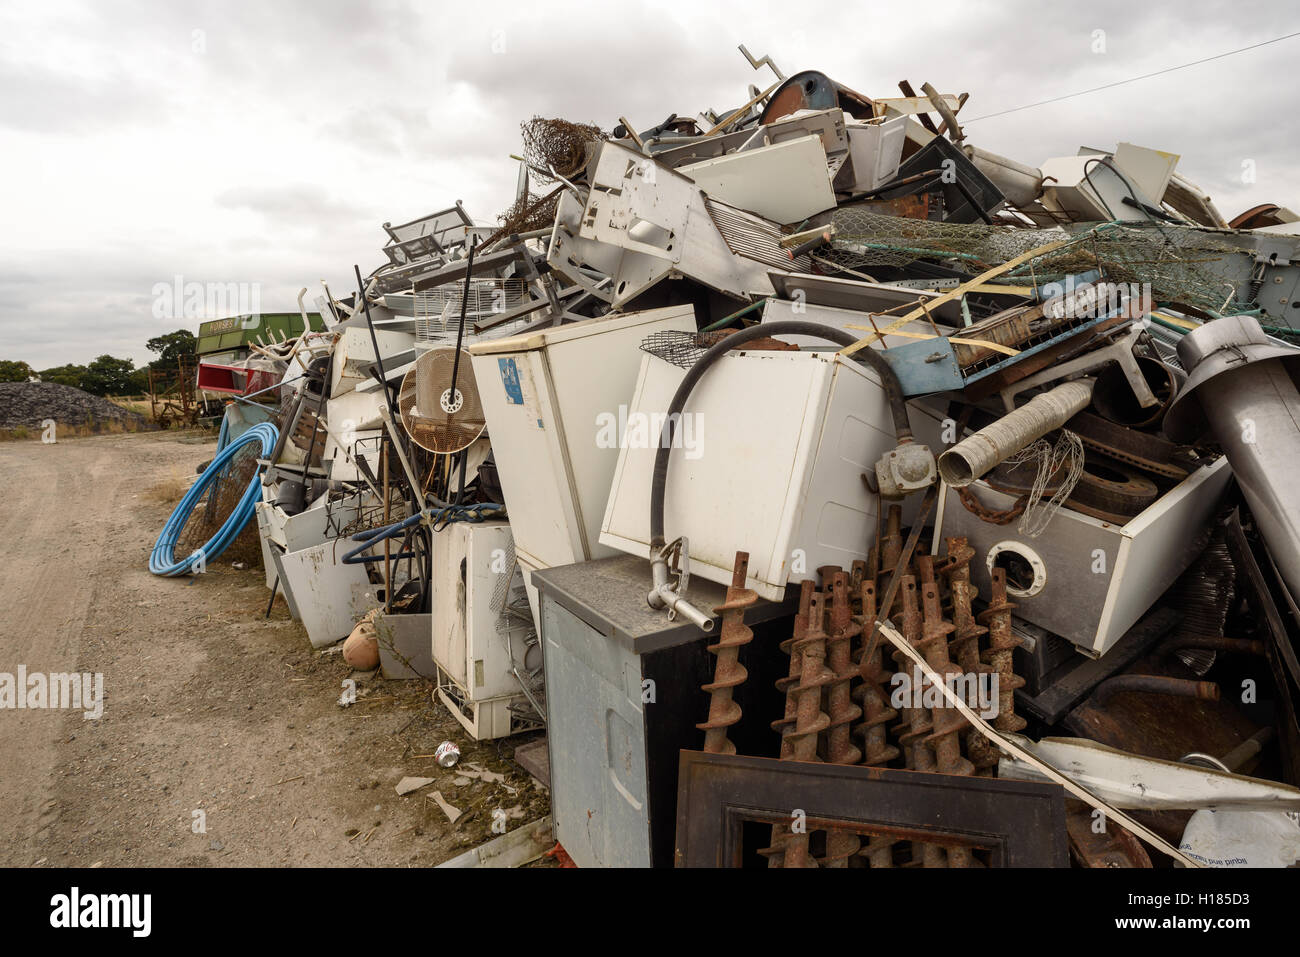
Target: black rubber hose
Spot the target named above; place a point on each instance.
(893, 390)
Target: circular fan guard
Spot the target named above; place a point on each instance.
(435, 418)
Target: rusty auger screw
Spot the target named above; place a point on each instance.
(1002, 645)
(810, 720)
(839, 701)
(841, 844)
(786, 685)
(775, 852)
(948, 721)
(891, 550)
(964, 645)
(915, 725)
(872, 694)
(728, 672)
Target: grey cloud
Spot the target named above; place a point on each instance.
(390, 110)
(290, 205)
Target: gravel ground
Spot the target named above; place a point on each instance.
(207, 707)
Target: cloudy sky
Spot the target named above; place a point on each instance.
(266, 142)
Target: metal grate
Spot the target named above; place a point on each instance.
(501, 590)
(437, 310)
(682, 349)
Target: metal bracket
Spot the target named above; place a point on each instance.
(1120, 351)
(764, 61)
(677, 554)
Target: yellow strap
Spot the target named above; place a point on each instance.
(995, 346)
(952, 294)
(1177, 321)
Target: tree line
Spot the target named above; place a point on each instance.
(109, 375)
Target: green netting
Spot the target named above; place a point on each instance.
(1183, 265)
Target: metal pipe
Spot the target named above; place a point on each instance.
(1020, 184)
(1155, 684)
(1244, 646)
(1248, 749)
(662, 595)
(978, 453)
(1254, 415)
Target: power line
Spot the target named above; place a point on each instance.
(1145, 76)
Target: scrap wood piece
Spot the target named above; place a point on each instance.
(516, 848)
(1010, 747)
(955, 293)
(409, 784)
(744, 109)
(453, 814)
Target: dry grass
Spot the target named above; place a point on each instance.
(171, 488)
(140, 406)
(71, 430)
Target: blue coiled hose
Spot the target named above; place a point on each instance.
(162, 560)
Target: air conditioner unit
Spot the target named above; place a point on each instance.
(484, 644)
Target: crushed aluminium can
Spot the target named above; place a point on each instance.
(447, 754)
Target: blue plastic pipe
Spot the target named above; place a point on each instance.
(162, 560)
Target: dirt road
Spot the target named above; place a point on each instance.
(221, 740)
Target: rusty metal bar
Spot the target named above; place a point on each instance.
(1155, 684)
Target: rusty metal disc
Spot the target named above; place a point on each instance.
(1112, 488)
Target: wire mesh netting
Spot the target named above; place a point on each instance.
(559, 145)
(221, 498)
(529, 213)
(1183, 265)
(682, 349)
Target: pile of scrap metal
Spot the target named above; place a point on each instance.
(1005, 448)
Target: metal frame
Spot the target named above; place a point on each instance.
(1021, 824)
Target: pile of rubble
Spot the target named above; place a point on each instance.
(29, 404)
(822, 446)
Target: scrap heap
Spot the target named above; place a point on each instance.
(1013, 510)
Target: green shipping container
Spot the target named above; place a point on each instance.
(236, 332)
